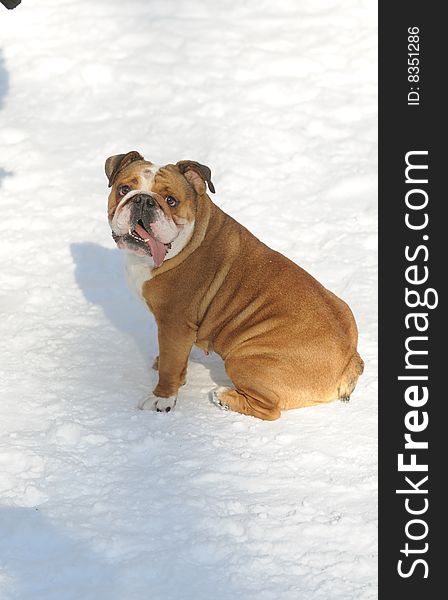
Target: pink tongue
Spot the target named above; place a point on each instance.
(158, 250)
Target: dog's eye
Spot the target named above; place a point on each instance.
(123, 190)
(171, 201)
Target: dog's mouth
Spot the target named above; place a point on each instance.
(142, 238)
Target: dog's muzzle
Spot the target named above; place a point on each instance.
(140, 225)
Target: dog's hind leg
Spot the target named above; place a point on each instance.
(247, 405)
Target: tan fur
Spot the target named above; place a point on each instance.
(286, 341)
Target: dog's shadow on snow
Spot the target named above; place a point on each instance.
(42, 561)
(99, 273)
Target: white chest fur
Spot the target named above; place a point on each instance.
(138, 269)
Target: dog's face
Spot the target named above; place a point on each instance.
(149, 206)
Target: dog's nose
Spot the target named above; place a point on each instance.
(145, 200)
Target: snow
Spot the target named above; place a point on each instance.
(97, 499)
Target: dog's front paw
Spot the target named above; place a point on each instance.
(166, 404)
(151, 402)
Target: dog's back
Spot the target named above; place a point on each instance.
(287, 341)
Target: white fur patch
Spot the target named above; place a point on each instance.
(181, 240)
(150, 172)
(138, 269)
(122, 216)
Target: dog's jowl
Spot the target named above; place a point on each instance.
(286, 341)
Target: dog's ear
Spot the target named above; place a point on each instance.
(115, 164)
(197, 175)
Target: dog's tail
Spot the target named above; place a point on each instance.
(350, 376)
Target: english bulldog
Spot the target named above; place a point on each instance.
(286, 341)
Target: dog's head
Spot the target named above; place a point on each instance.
(150, 206)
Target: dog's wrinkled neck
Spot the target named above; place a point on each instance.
(202, 218)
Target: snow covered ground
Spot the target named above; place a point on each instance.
(99, 501)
